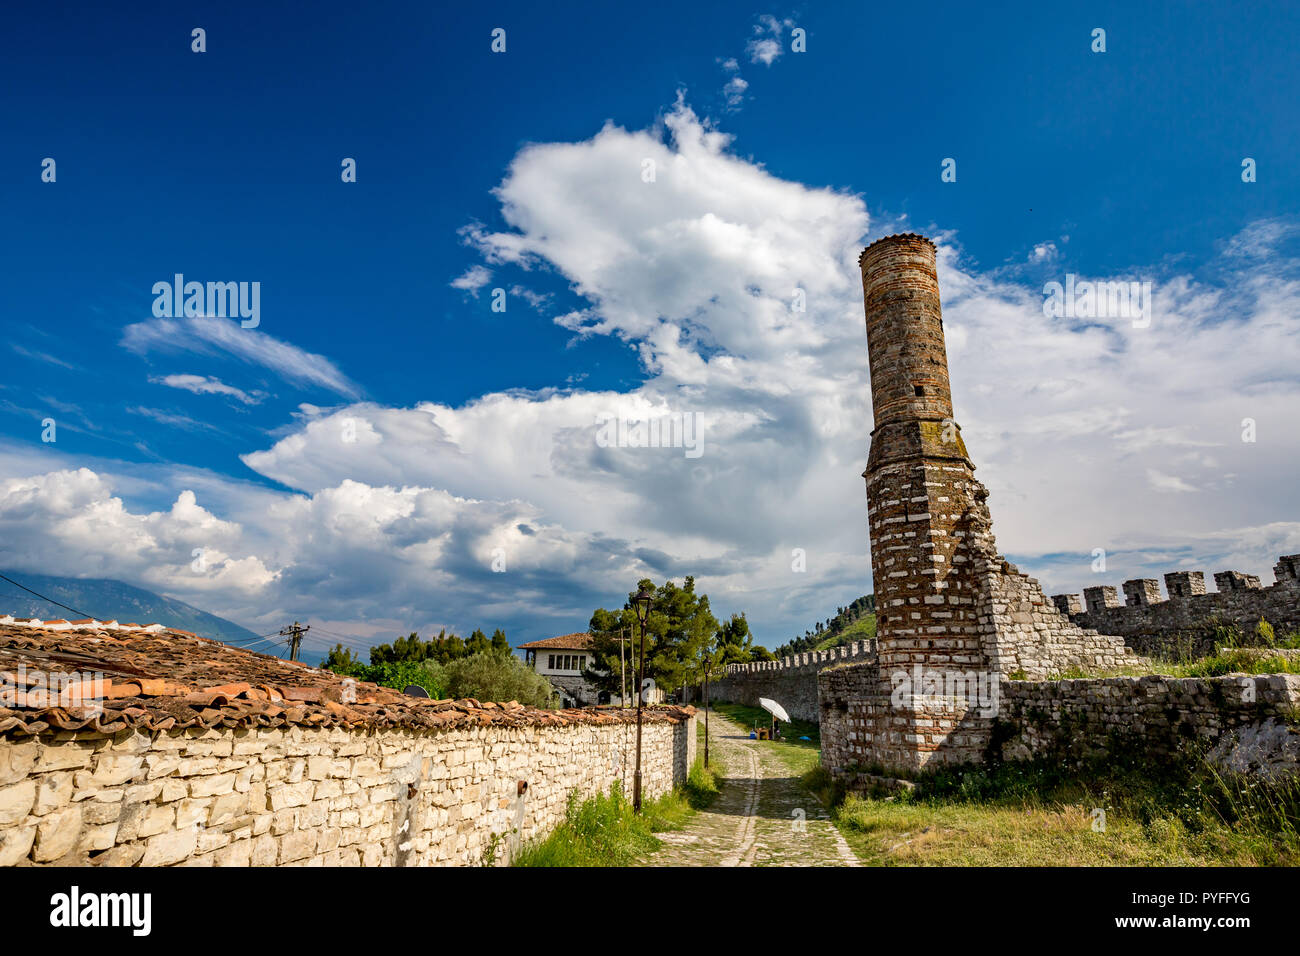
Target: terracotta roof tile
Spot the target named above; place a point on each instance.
(577, 641)
(157, 679)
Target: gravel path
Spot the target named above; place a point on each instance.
(762, 817)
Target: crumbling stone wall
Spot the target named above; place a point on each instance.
(310, 796)
(1243, 723)
(791, 681)
(1185, 622)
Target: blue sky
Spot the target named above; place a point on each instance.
(225, 166)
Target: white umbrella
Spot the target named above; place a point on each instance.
(773, 708)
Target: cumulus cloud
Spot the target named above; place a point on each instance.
(740, 292)
(765, 45)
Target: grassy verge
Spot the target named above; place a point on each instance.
(604, 831)
(795, 754)
(1115, 813)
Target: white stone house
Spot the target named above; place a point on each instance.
(561, 660)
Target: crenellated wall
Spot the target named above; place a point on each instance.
(1185, 620)
(791, 681)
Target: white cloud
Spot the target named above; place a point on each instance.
(208, 385)
(734, 91)
(209, 335)
(765, 45)
(1083, 431)
(473, 279)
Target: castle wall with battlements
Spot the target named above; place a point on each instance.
(1186, 621)
(791, 681)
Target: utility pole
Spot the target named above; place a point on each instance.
(295, 634)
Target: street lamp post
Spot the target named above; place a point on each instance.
(642, 604)
(708, 661)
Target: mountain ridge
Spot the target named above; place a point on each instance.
(109, 599)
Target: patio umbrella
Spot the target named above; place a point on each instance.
(773, 708)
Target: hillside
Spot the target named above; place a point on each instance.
(106, 599)
(856, 622)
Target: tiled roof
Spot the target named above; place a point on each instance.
(157, 678)
(577, 641)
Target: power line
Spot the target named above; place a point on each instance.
(44, 598)
(295, 633)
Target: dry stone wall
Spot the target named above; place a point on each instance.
(300, 796)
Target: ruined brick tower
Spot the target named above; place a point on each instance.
(947, 604)
(921, 488)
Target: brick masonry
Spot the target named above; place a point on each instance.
(946, 601)
(299, 796)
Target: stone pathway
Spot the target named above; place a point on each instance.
(762, 817)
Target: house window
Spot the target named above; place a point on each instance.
(550, 662)
(582, 662)
(919, 389)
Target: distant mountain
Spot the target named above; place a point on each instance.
(105, 599)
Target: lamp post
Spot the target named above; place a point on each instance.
(642, 604)
(708, 663)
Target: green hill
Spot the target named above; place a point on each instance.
(105, 599)
(856, 622)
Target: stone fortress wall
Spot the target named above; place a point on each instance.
(1185, 620)
(791, 681)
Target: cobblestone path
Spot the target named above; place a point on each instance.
(762, 817)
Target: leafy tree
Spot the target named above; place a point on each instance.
(477, 643)
(679, 628)
(500, 644)
(734, 643)
(341, 660)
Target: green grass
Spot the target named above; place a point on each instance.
(604, 830)
(1182, 813)
(797, 756)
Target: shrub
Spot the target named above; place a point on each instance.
(498, 677)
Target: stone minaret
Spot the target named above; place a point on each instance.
(951, 613)
(925, 508)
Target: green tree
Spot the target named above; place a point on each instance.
(341, 660)
(678, 631)
(500, 644)
(477, 643)
(735, 644)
